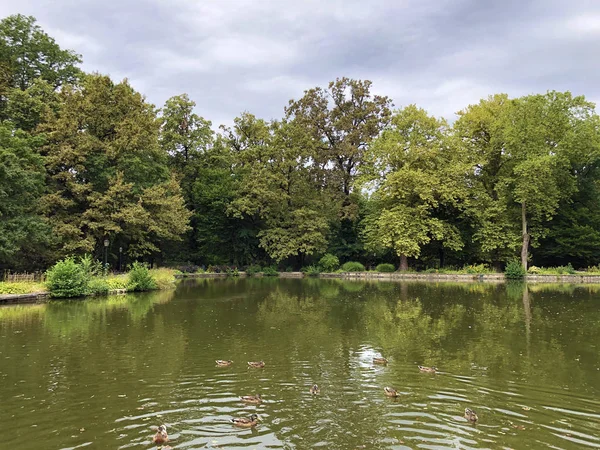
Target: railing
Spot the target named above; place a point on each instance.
(11, 277)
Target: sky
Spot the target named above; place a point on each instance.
(232, 56)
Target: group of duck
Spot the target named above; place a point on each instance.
(161, 436)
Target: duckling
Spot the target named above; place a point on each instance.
(161, 436)
(380, 360)
(256, 364)
(390, 392)
(431, 369)
(245, 422)
(251, 398)
(223, 363)
(314, 389)
(471, 415)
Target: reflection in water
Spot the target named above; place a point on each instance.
(104, 372)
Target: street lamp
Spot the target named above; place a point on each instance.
(120, 257)
(105, 255)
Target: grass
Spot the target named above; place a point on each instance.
(164, 278)
(21, 287)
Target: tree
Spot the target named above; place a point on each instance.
(108, 177)
(418, 175)
(21, 186)
(28, 53)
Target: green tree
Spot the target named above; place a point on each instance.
(419, 177)
(21, 186)
(108, 177)
(28, 53)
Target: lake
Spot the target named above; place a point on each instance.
(105, 373)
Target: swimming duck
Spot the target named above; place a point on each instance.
(256, 364)
(251, 398)
(471, 415)
(431, 369)
(390, 392)
(223, 363)
(245, 422)
(380, 360)
(314, 389)
(161, 436)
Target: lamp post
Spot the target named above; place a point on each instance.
(120, 257)
(105, 255)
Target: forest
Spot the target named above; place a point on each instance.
(85, 160)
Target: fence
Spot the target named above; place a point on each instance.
(20, 277)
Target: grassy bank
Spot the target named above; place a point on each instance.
(70, 278)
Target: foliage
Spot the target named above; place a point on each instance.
(352, 266)
(21, 287)
(163, 278)
(232, 272)
(270, 271)
(140, 278)
(98, 286)
(384, 267)
(311, 271)
(253, 270)
(514, 270)
(67, 279)
(559, 270)
(329, 262)
(117, 281)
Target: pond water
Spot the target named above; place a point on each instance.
(104, 373)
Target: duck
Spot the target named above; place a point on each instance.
(251, 398)
(256, 364)
(245, 422)
(431, 369)
(161, 436)
(471, 415)
(223, 363)
(380, 360)
(314, 389)
(390, 392)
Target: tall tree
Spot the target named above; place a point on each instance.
(419, 178)
(107, 173)
(28, 53)
(21, 186)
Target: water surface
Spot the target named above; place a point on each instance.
(104, 373)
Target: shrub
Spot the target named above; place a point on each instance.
(569, 269)
(329, 262)
(232, 272)
(534, 270)
(385, 268)
(253, 270)
(514, 270)
(270, 271)
(98, 286)
(67, 279)
(353, 266)
(164, 278)
(311, 271)
(90, 267)
(117, 282)
(477, 269)
(140, 278)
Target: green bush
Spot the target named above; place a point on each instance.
(98, 286)
(311, 271)
(353, 266)
(570, 269)
(386, 268)
(477, 269)
(514, 270)
(253, 270)
(534, 270)
(270, 271)
(67, 279)
(232, 272)
(139, 278)
(329, 262)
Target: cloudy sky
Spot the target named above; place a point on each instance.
(254, 55)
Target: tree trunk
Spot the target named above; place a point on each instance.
(526, 237)
(403, 263)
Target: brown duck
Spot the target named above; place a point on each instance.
(223, 363)
(425, 369)
(256, 364)
(471, 415)
(161, 436)
(390, 392)
(314, 389)
(380, 360)
(245, 422)
(251, 398)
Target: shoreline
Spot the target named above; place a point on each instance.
(33, 297)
